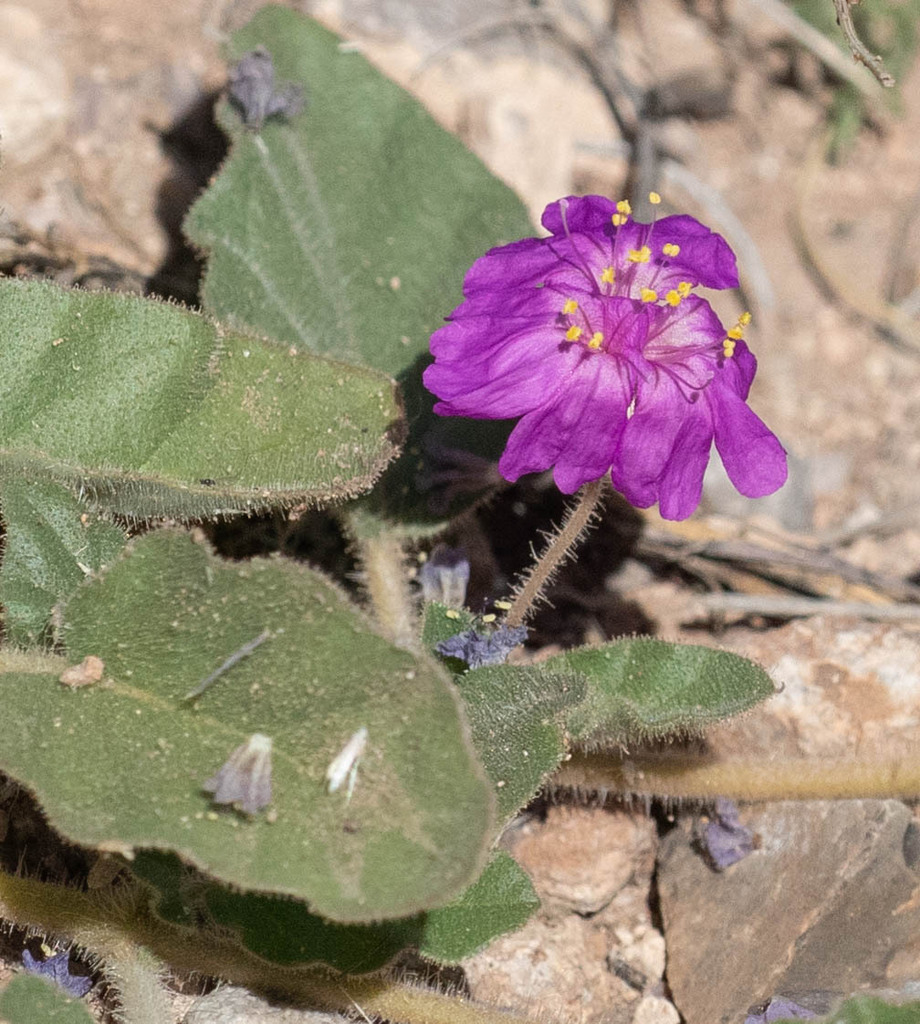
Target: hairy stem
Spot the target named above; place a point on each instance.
(386, 580)
(136, 975)
(559, 546)
(679, 775)
(108, 923)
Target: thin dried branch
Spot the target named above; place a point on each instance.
(857, 47)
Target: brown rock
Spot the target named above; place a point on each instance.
(581, 857)
(552, 971)
(828, 902)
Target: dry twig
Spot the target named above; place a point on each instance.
(857, 47)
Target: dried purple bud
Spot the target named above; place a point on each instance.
(445, 575)
(478, 649)
(253, 92)
(779, 1008)
(246, 779)
(725, 840)
(57, 969)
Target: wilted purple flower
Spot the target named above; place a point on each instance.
(594, 336)
(725, 839)
(253, 92)
(444, 577)
(57, 969)
(779, 1008)
(478, 649)
(246, 778)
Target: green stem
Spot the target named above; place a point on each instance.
(559, 546)
(686, 775)
(106, 922)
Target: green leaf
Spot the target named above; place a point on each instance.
(516, 716)
(52, 542)
(348, 230)
(28, 999)
(501, 900)
(515, 713)
(640, 689)
(121, 765)
(150, 410)
(283, 931)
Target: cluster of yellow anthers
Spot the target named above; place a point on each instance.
(734, 334)
(673, 297)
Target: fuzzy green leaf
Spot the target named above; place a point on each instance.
(642, 688)
(499, 901)
(283, 931)
(516, 713)
(147, 409)
(347, 230)
(121, 765)
(51, 543)
(31, 1000)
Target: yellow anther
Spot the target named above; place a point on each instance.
(671, 249)
(648, 295)
(503, 606)
(573, 333)
(728, 348)
(597, 339)
(570, 306)
(608, 275)
(654, 198)
(673, 298)
(451, 613)
(735, 333)
(489, 618)
(624, 207)
(744, 319)
(683, 289)
(618, 218)
(642, 255)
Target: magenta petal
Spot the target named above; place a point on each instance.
(705, 257)
(648, 439)
(751, 453)
(681, 485)
(520, 264)
(564, 432)
(519, 376)
(586, 214)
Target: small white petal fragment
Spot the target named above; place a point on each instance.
(346, 762)
(246, 778)
(89, 671)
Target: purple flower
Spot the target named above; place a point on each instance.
(594, 337)
(724, 839)
(57, 969)
(478, 649)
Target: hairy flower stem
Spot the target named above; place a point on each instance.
(136, 973)
(559, 546)
(386, 579)
(688, 776)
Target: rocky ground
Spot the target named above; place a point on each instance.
(106, 135)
